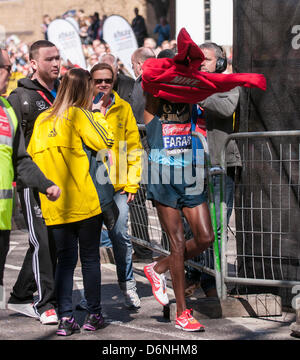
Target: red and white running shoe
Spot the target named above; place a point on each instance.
(158, 282)
(49, 317)
(187, 322)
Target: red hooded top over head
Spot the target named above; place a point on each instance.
(179, 80)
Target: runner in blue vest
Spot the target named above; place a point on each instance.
(172, 187)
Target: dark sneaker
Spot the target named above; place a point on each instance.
(67, 327)
(93, 322)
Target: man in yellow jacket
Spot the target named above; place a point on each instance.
(125, 174)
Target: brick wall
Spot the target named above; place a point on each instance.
(24, 17)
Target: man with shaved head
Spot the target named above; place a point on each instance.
(137, 101)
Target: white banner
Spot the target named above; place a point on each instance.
(64, 35)
(118, 33)
(74, 22)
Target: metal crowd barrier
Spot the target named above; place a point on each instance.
(262, 248)
(145, 228)
(259, 246)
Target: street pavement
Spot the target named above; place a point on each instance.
(146, 325)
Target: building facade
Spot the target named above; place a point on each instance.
(24, 18)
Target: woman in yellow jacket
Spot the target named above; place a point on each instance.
(57, 146)
(125, 174)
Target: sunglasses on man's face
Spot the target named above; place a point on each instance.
(6, 67)
(100, 81)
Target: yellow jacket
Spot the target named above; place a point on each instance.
(126, 166)
(60, 155)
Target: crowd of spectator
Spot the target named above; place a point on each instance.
(93, 45)
(91, 35)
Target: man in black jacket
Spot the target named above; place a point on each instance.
(25, 169)
(32, 97)
(138, 210)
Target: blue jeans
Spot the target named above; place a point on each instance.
(67, 236)
(121, 244)
(105, 240)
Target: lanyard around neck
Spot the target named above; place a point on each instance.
(44, 97)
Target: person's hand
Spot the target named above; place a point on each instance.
(53, 193)
(97, 106)
(130, 196)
